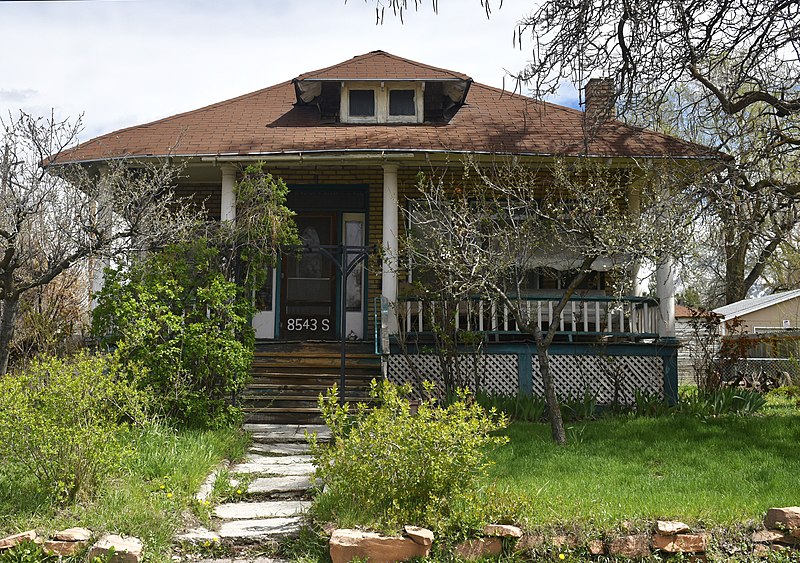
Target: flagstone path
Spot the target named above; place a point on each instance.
(278, 472)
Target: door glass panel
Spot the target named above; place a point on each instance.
(309, 308)
(354, 236)
(263, 296)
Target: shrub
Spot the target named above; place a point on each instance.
(60, 420)
(386, 467)
(177, 317)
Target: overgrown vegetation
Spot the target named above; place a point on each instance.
(119, 441)
(387, 467)
(61, 420)
(176, 321)
(692, 401)
(148, 496)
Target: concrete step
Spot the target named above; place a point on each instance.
(268, 433)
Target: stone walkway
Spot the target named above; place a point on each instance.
(278, 471)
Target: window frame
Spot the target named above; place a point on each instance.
(382, 91)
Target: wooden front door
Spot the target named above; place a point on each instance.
(308, 288)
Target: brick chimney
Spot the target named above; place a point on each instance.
(599, 105)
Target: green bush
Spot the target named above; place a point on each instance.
(188, 328)
(60, 419)
(387, 467)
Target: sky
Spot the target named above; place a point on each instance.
(120, 63)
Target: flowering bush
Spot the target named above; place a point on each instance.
(387, 467)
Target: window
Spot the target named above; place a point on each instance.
(362, 103)
(401, 102)
(382, 102)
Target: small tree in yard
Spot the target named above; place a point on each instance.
(483, 240)
(49, 214)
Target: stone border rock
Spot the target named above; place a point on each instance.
(207, 488)
(668, 537)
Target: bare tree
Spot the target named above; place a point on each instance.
(750, 201)
(53, 215)
(743, 53)
(484, 240)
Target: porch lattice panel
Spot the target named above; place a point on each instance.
(609, 378)
(496, 373)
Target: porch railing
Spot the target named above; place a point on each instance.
(632, 317)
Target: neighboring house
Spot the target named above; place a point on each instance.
(350, 140)
(764, 333)
(770, 313)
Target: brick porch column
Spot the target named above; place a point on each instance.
(389, 242)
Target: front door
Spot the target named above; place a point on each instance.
(308, 288)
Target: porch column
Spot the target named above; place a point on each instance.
(665, 282)
(635, 212)
(389, 242)
(228, 200)
(102, 218)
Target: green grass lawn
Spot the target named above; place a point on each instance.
(715, 471)
(147, 498)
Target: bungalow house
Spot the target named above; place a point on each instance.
(350, 140)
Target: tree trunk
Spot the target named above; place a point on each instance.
(554, 412)
(8, 317)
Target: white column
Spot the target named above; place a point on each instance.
(103, 218)
(665, 282)
(228, 201)
(635, 212)
(389, 242)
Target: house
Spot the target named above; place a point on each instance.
(763, 334)
(770, 313)
(350, 140)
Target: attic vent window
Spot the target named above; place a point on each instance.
(362, 103)
(401, 102)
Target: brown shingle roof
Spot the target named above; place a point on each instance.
(379, 65)
(268, 122)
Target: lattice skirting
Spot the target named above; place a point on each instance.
(609, 378)
(494, 373)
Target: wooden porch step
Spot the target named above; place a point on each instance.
(287, 379)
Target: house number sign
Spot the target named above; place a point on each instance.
(311, 325)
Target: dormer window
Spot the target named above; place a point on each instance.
(362, 103)
(401, 102)
(382, 102)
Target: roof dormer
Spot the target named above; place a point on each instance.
(379, 88)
